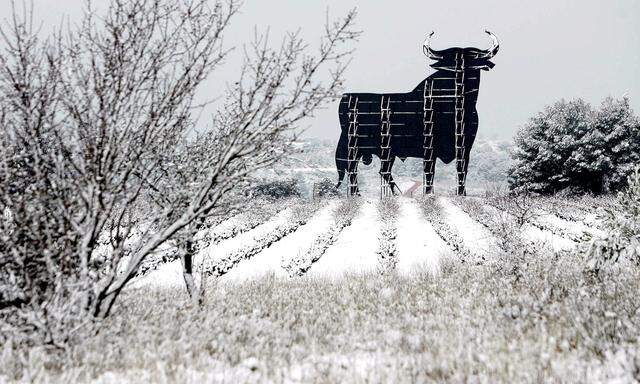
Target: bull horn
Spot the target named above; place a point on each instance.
(495, 46)
(430, 53)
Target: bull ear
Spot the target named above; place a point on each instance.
(487, 65)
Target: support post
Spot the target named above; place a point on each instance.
(352, 159)
(428, 163)
(385, 147)
(460, 148)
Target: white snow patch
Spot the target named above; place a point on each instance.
(474, 236)
(218, 251)
(169, 275)
(555, 242)
(531, 233)
(270, 260)
(166, 275)
(573, 227)
(419, 246)
(355, 249)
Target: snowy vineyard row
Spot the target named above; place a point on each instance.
(471, 229)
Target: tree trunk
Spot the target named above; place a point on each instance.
(186, 256)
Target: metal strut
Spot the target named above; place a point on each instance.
(352, 159)
(459, 120)
(428, 158)
(385, 147)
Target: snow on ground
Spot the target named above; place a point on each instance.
(575, 227)
(419, 246)
(169, 275)
(269, 261)
(555, 242)
(218, 251)
(592, 220)
(529, 232)
(474, 236)
(355, 249)
(166, 275)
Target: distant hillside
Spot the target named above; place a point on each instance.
(314, 160)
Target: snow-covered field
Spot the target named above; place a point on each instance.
(402, 290)
(327, 244)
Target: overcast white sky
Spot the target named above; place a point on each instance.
(549, 50)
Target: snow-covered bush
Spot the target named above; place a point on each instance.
(573, 147)
(622, 241)
(277, 189)
(98, 142)
(325, 188)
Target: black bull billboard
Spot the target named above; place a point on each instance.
(438, 119)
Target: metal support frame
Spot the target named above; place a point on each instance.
(385, 147)
(428, 159)
(352, 160)
(460, 148)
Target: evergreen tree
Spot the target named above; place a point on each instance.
(571, 146)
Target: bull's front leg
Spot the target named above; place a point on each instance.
(429, 172)
(352, 170)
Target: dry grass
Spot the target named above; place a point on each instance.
(551, 323)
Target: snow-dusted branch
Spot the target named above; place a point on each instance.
(100, 164)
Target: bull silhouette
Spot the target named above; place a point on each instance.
(438, 119)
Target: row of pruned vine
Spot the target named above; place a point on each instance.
(299, 216)
(387, 250)
(433, 212)
(343, 216)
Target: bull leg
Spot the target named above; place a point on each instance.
(387, 184)
(429, 172)
(394, 188)
(462, 167)
(353, 178)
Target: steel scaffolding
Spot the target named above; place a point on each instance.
(385, 147)
(352, 160)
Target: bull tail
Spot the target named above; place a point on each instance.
(340, 177)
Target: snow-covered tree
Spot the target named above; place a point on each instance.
(101, 164)
(572, 146)
(618, 134)
(622, 241)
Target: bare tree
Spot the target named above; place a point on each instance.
(100, 163)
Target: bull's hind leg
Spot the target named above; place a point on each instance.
(387, 186)
(461, 168)
(429, 173)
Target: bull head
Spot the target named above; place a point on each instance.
(474, 58)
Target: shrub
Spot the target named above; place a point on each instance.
(325, 188)
(277, 189)
(101, 166)
(573, 147)
(622, 241)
